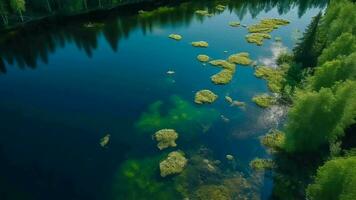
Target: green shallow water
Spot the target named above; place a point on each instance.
(66, 86)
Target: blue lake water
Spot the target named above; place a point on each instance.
(68, 86)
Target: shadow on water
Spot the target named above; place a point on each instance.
(26, 46)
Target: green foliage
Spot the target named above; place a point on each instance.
(335, 180)
(318, 118)
(333, 71)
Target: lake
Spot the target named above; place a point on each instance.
(66, 86)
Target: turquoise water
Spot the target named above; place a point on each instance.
(64, 87)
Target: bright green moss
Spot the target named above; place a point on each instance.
(273, 76)
(203, 13)
(205, 96)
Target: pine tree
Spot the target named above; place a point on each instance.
(18, 6)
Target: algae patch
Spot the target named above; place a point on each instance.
(240, 58)
(273, 76)
(175, 37)
(273, 140)
(203, 58)
(173, 164)
(201, 44)
(205, 96)
(166, 138)
(257, 38)
(264, 100)
(234, 24)
(259, 32)
(259, 164)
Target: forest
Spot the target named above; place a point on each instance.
(311, 155)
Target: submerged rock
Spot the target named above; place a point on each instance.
(166, 138)
(274, 140)
(203, 13)
(175, 36)
(264, 100)
(273, 76)
(203, 58)
(228, 99)
(257, 38)
(222, 77)
(229, 157)
(200, 44)
(240, 58)
(173, 164)
(234, 24)
(220, 7)
(205, 96)
(105, 140)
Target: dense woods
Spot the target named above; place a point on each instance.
(323, 101)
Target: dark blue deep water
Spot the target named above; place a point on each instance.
(66, 86)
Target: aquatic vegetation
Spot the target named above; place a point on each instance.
(224, 64)
(240, 58)
(137, 179)
(182, 116)
(229, 157)
(105, 140)
(166, 138)
(336, 179)
(234, 24)
(267, 25)
(155, 12)
(203, 58)
(274, 140)
(264, 100)
(205, 96)
(173, 164)
(213, 192)
(222, 77)
(200, 44)
(220, 7)
(203, 13)
(175, 36)
(259, 164)
(257, 38)
(273, 76)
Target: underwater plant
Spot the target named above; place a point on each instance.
(181, 115)
(257, 38)
(166, 138)
(234, 24)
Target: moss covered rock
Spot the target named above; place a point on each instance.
(175, 36)
(205, 96)
(203, 58)
(262, 164)
(273, 76)
(213, 192)
(234, 24)
(166, 138)
(274, 140)
(264, 100)
(220, 7)
(173, 164)
(222, 77)
(257, 38)
(203, 13)
(200, 44)
(240, 58)
(267, 25)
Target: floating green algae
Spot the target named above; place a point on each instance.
(234, 24)
(173, 164)
(203, 13)
(181, 115)
(203, 58)
(240, 58)
(273, 140)
(259, 164)
(273, 76)
(166, 138)
(267, 25)
(205, 96)
(175, 36)
(257, 38)
(224, 64)
(222, 77)
(105, 140)
(202, 44)
(138, 179)
(264, 100)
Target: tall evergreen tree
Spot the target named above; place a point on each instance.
(18, 6)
